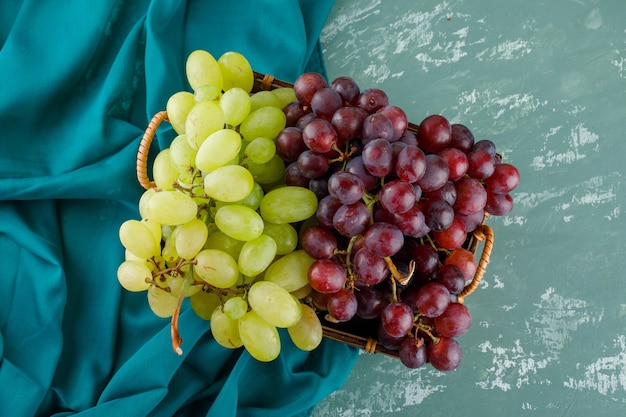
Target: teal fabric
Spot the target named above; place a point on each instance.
(79, 81)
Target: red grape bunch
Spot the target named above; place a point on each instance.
(395, 207)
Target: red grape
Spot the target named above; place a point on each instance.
(397, 196)
(347, 88)
(397, 319)
(445, 355)
(319, 135)
(432, 299)
(351, 219)
(319, 242)
(434, 133)
(471, 196)
(412, 353)
(346, 187)
(369, 267)
(378, 157)
(342, 305)
(384, 239)
(372, 99)
(504, 179)
(326, 276)
(398, 119)
(325, 102)
(454, 322)
(370, 302)
(410, 164)
(306, 85)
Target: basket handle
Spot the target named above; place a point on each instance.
(144, 148)
(483, 233)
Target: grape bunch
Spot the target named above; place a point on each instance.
(216, 228)
(395, 209)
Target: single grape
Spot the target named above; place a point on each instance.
(461, 138)
(190, 238)
(378, 157)
(312, 164)
(319, 186)
(326, 276)
(134, 276)
(499, 204)
(289, 144)
(485, 145)
(235, 307)
(464, 260)
(369, 267)
(161, 302)
(307, 334)
(384, 239)
(288, 205)
(412, 352)
(236, 71)
(326, 209)
(346, 187)
(217, 268)
(454, 322)
(375, 126)
(204, 118)
(137, 237)
(274, 304)
(409, 138)
(397, 196)
(264, 98)
(434, 133)
(202, 68)
(452, 278)
(452, 237)
(397, 319)
(398, 119)
(177, 107)
(481, 164)
(306, 85)
(265, 122)
(457, 161)
(319, 135)
(256, 255)
(471, 221)
(410, 164)
(356, 167)
(260, 150)
(432, 299)
(229, 183)
(204, 303)
(412, 222)
(471, 196)
(503, 180)
(290, 271)
(445, 354)
(371, 302)
(342, 305)
(260, 338)
(285, 236)
(436, 174)
(347, 88)
(351, 219)
(239, 222)
(438, 214)
(294, 111)
(319, 242)
(348, 123)
(236, 105)
(325, 102)
(372, 99)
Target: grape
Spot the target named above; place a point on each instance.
(220, 240)
(326, 276)
(138, 239)
(289, 144)
(239, 222)
(294, 177)
(351, 219)
(369, 267)
(225, 330)
(164, 170)
(260, 338)
(426, 259)
(306, 85)
(294, 111)
(464, 260)
(182, 154)
(348, 123)
(204, 303)
(452, 237)
(412, 353)
(398, 119)
(207, 92)
(288, 205)
(376, 125)
(319, 186)
(342, 305)
(384, 239)
(260, 150)
(461, 138)
(236, 105)
(252, 200)
(285, 236)
(325, 102)
(203, 119)
(190, 238)
(435, 175)
(372, 99)
(499, 204)
(346, 187)
(412, 222)
(312, 164)
(485, 145)
(438, 214)
(347, 88)
(445, 354)
(202, 68)
(434, 133)
(274, 304)
(267, 173)
(285, 95)
(265, 122)
(457, 161)
(161, 302)
(370, 302)
(217, 268)
(446, 192)
(319, 242)
(134, 276)
(169, 253)
(378, 157)
(229, 183)
(503, 180)
(177, 107)
(307, 334)
(471, 196)
(264, 98)
(236, 71)
(319, 135)
(410, 164)
(471, 221)
(432, 299)
(481, 164)
(290, 271)
(409, 138)
(397, 319)
(452, 278)
(256, 255)
(454, 322)
(397, 196)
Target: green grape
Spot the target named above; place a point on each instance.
(303, 292)
(267, 173)
(285, 94)
(225, 330)
(164, 171)
(289, 204)
(218, 149)
(235, 307)
(260, 338)
(190, 238)
(220, 240)
(217, 268)
(256, 255)
(171, 208)
(236, 71)
(264, 98)
(274, 304)
(207, 92)
(307, 334)
(138, 238)
(182, 154)
(252, 200)
(229, 183)
(285, 236)
(177, 108)
(204, 118)
(155, 228)
(290, 271)
(260, 150)
(169, 253)
(202, 68)
(143, 202)
(236, 105)
(239, 222)
(203, 303)
(161, 302)
(265, 122)
(134, 276)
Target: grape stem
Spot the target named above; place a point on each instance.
(402, 279)
(175, 334)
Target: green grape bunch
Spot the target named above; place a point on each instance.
(218, 226)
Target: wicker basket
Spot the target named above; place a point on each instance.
(356, 332)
